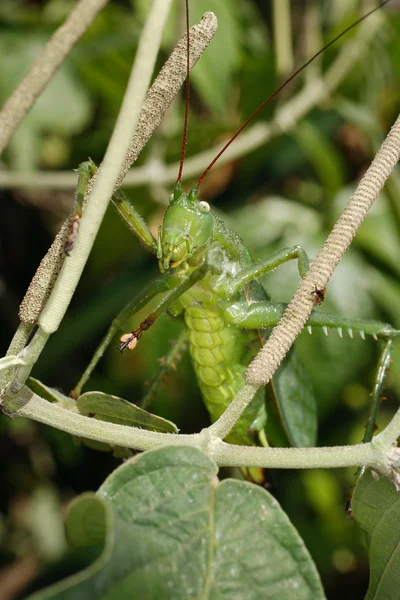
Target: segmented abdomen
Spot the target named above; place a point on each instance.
(217, 352)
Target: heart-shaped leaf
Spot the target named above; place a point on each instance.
(173, 531)
(376, 508)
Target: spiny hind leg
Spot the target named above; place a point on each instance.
(264, 315)
(129, 214)
(230, 286)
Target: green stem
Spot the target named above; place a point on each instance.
(111, 167)
(282, 36)
(228, 419)
(20, 338)
(228, 455)
(11, 400)
(390, 434)
(372, 454)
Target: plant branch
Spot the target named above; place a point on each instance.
(116, 152)
(391, 432)
(282, 27)
(372, 454)
(251, 139)
(158, 99)
(72, 268)
(43, 69)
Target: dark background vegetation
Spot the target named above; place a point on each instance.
(289, 191)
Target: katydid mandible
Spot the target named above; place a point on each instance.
(209, 277)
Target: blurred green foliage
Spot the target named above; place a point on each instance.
(289, 191)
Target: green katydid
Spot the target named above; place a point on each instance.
(209, 277)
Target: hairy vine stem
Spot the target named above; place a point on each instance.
(120, 142)
(379, 453)
(158, 99)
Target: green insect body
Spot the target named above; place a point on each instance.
(220, 353)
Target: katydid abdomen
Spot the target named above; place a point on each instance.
(220, 355)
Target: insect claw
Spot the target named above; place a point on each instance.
(128, 341)
(309, 329)
(375, 336)
(362, 334)
(350, 332)
(325, 330)
(319, 294)
(340, 332)
(72, 234)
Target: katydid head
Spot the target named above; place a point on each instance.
(186, 231)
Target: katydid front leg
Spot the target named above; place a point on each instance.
(129, 214)
(85, 171)
(129, 340)
(172, 287)
(134, 221)
(230, 286)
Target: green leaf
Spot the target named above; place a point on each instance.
(176, 532)
(51, 394)
(87, 521)
(213, 75)
(376, 508)
(117, 410)
(321, 153)
(296, 402)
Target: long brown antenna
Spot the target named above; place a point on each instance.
(284, 84)
(187, 99)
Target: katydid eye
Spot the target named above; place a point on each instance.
(204, 207)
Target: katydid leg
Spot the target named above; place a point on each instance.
(229, 287)
(264, 315)
(134, 221)
(381, 370)
(129, 340)
(85, 172)
(172, 289)
(129, 214)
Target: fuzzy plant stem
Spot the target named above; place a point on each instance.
(117, 150)
(375, 454)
